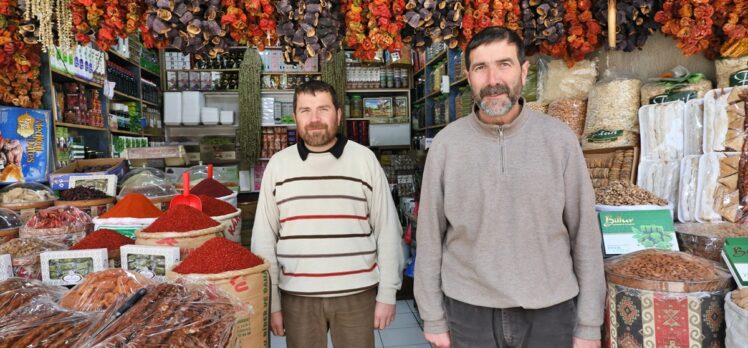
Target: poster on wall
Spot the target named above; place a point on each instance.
(24, 144)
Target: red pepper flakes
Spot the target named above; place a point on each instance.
(211, 187)
(134, 205)
(103, 238)
(216, 207)
(182, 218)
(218, 255)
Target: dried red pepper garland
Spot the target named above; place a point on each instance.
(20, 62)
(182, 218)
(218, 255)
(250, 22)
(107, 20)
(689, 22)
(582, 31)
(481, 14)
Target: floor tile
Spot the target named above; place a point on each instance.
(402, 307)
(377, 340)
(412, 305)
(277, 342)
(403, 320)
(401, 337)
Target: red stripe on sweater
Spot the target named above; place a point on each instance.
(321, 217)
(334, 274)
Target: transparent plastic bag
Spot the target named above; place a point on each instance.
(612, 113)
(724, 120)
(661, 178)
(706, 240)
(43, 323)
(169, 315)
(687, 192)
(662, 131)
(24, 254)
(100, 290)
(736, 318)
(573, 112)
(731, 71)
(718, 194)
(17, 292)
(530, 89)
(693, 126)
(560, 81)
(60, 224)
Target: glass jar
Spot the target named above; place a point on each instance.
(357, 107)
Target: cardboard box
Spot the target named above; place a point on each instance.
(735, 255)
(60, 179)
(150, 261)
(24, 144)
(401, 107)
(378, 107)
(628, 231)
(607, 156)
(6, 267)
(69, 267)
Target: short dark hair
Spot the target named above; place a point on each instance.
(491, 35)
(313, 87)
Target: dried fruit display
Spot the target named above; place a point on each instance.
(106, 20)
(634, 22)
(481, 14)
(20, 61)
(309, 29)
(582, 33)
(689, 22)
(250, 22)
(430, 21)
(626, 193)
(191, 26)
(542, 22)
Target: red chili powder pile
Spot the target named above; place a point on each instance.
(211, 187)
(134, 205)
(103, 238)
(218, 255)
(182, 218)
(216, 207)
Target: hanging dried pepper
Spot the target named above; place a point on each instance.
(106, 20)
(481, 14)
(689, 22)
(250, 22)
(582, 33)
(20, 62)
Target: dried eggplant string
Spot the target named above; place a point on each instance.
(250, 124)
(308, 29)
(634, 22)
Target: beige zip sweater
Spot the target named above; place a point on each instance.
(507, 219)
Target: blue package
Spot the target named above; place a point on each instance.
(24, 144)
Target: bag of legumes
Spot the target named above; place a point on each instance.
(612, 113)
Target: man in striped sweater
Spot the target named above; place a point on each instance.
(328, 225)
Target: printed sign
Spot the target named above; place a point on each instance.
(629, 231)
(24, 144)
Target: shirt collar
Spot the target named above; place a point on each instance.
(509, 129)
(336, 150)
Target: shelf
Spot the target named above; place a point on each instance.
(126, 96)
(278, 125)
(458, 82)
(151, 73)
(124, 132)
(382, 90)
(77, 79)
(431, 95)
(220, 93)
(356, 119)
(263, 159)
(150, 103)
(291, 73)
(267, 90)
(441, 55)
(201, 130)
(436, 126)
(79, 126)
(121, 57)
(205, 70)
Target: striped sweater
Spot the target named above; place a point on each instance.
(328, 225)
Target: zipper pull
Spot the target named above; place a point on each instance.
(501, 131)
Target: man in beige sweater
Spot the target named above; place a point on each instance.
(509, 249)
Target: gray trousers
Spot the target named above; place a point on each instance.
(482, 327)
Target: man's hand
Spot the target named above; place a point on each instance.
(384, 314)
(276, 323)
(582, 343)
(440, 340)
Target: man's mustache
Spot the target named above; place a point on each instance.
(494, 90)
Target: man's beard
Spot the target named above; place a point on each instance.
(317, 138)
(497, 108)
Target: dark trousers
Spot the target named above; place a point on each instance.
(350, 320)
(481, 327)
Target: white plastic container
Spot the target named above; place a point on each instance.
(227, 117)
(172, 108)
(209, 116)
(192, 105)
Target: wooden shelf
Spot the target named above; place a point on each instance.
(436, 126)
(381, 90)
(205, 70)
(124, 132)
(431, 61)
(268, 90)
(79, 126)
(77, 79)
(356, 119)
(291, 73)
(126, 96)
(113, 53)
(431, 95)
(279, 125)
(151, 73)
(150, 103)
(458, 82)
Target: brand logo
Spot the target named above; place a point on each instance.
(604, 136)
(739, 78)
(673, 96)
(617, 221)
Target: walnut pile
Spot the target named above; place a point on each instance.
(658, 265)
(740, 297)
(625, 193)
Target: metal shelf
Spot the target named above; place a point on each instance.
(79, 126)
(126, 96)
(205, 70)
(77, 79)
(458, 82)
(431, 95)
(431, 61)
(278, 125)
(382, 90)
(268, 90)
(152, 73)
(441, 125)
(291, 73)
(124, 132)
(201, 130)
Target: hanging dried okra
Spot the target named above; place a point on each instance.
(249, 133)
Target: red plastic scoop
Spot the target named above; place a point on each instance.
(186, 198)
(210, 171)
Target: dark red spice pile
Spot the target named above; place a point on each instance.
(211, 187)
(104, 238)
(218, 255)
(81, 193)
(182, 218)
(216, 207)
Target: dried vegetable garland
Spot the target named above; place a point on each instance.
(107, 20)
(689, 22)
(20, 62)
(249, 133)
(730, 29)
(582, 30)
(250, 22)
(334, 73)
(373, 25)
(309, 28)
(542, 22)
(432, 21)
(634, 22)
(481, 14)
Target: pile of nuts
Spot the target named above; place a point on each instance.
(660, 265)
(25, 195)
(626, 193)
(740, 297)
(21, 247)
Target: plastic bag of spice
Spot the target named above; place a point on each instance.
(612, 113)
(169, 315)
(559, 81)
(133, 212)
(17, 292)
(66, 225)
(100, 290)
(24, 254)
(43, 323)
(91, 201)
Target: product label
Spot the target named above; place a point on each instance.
(24, 144)
(673, 96)
(739, 78)
(70, 267)
(604, 136)
(629, 231)
(735, 253)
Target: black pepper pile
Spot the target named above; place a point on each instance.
(82, 193)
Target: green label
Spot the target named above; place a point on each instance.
(673, 96)
(735, 250)
(604, 136)
(739, 78)
(628, 231)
